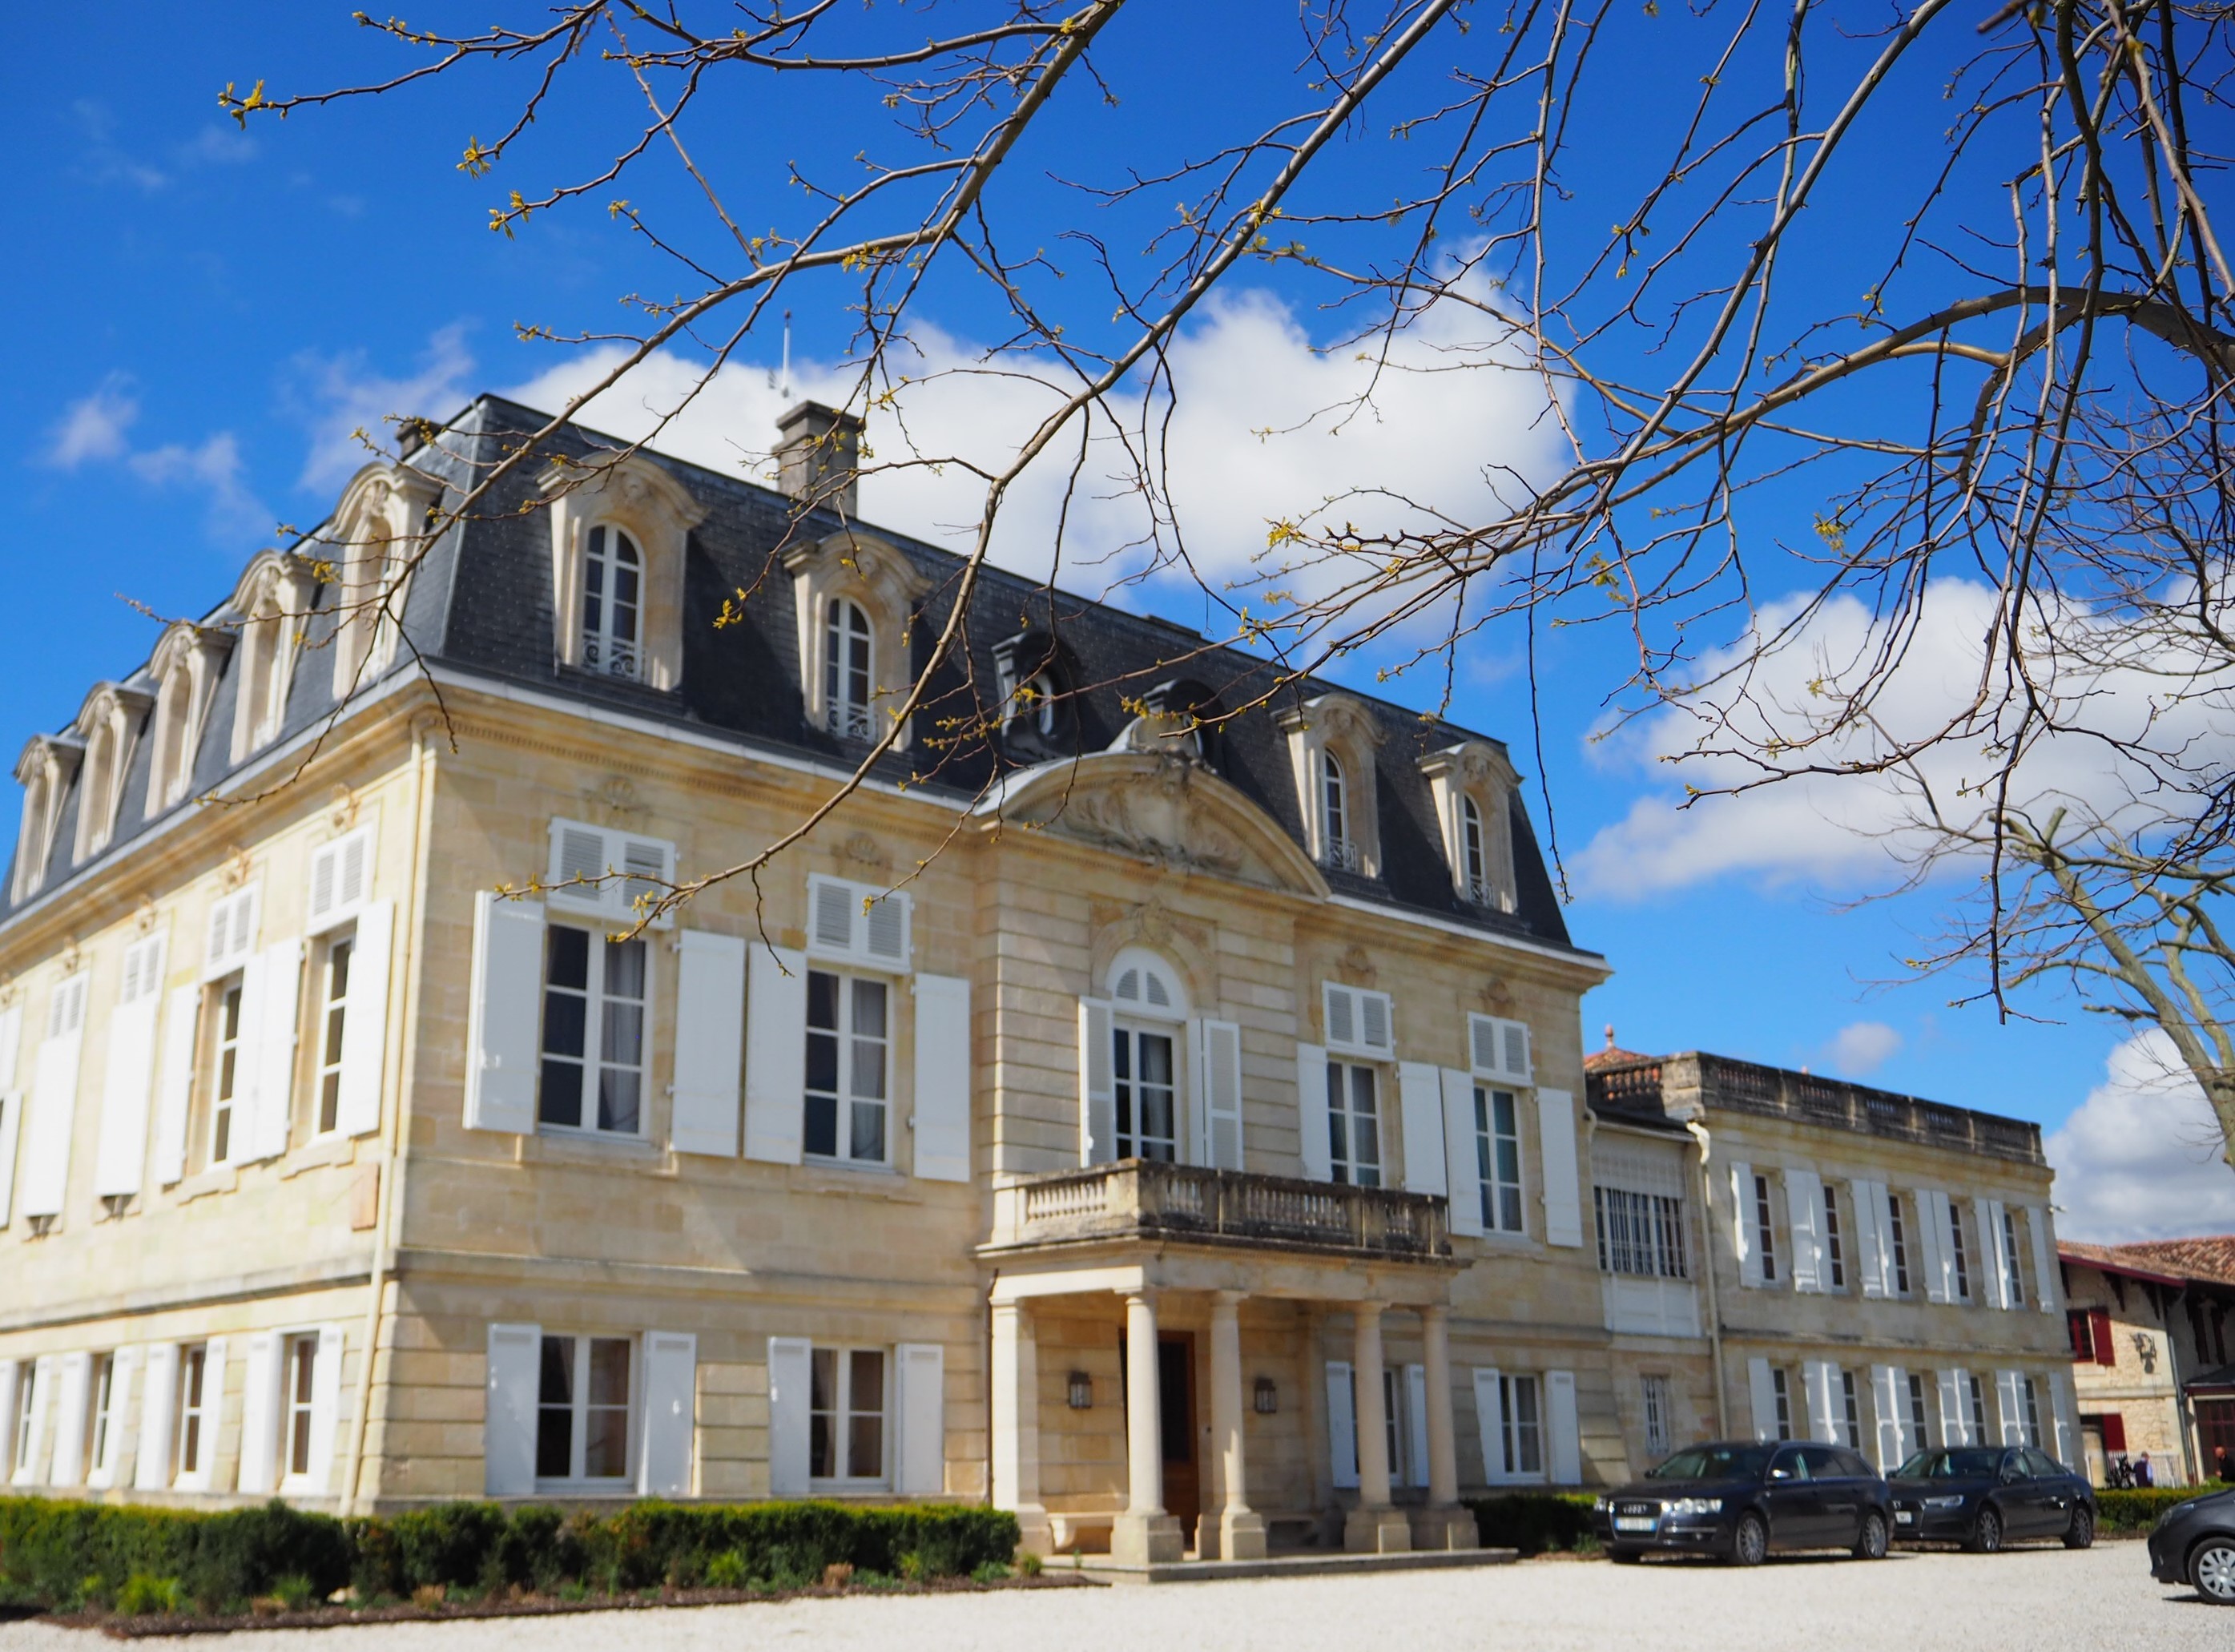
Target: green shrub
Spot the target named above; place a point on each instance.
(1534, 1522)
(727, 1570)
(144, 1595)
(2138, 1511)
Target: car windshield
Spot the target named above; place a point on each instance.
(1950, 1466)
(1714, 1463)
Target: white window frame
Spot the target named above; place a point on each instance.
(1761, 1214)
(1780, 1388)
(25, 1443)
(2013, 1274)
(1646, 1226)
(101, 1418)
(1920, 1414)
(842, 715)
(298, 1387)
(578, 1408)
(330, 1030)
(194, 1435)
(225, 1085)
(1656, 1409)
(1488, 1137)
(1975, 1400)
(594, 1002)
(1339, 848)
(1344, 1167)
(1850, 1415)
(2029, 1418)
(1897, 1244)
(1126, 1033)
(845, 1100)
(1513, 1434)
(603, 649)
(844, 1411)
(1958, 1254)
(1474, 852)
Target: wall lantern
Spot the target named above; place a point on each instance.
(1081, 1394)
(1269, 1397)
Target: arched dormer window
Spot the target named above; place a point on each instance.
(1474, 861)
(273, 597)
(1037, 714)
(1473, 785)
(1331, 744)
(108, 723)
(382, 514)
(612, 603)
(1341, 848)
(45, 770)
(849, 669)
(186, 667)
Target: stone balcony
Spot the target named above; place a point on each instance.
(1144, 1199)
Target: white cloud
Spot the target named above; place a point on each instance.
(215, 467)
(339, 396)
(1860, 1048)
(95, 427)
(2140, 1158)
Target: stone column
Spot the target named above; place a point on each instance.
(1016, 1397)
(1239, 1533)
(1373, 1527)
(1144, 1534)
(1444, 1525)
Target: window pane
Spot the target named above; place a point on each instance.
(821, 1000)
(555, 1415)
(625, 967)
(609, 1371)
(605, 1443)
(822, 1061)
(822, 1125)
(869, 1009)
(567, 954)
(559, 1097)
(868, 1142)
(865, 1400)
(620, 1100)
(822, 1404)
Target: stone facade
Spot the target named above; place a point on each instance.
(2148, 1325)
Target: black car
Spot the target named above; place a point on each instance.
(1737, 1500)
(2194, 1543)
(1985, 1496)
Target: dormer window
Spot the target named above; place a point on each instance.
(44, 770)
(1473, 785)
(1037, 716)
(848, 678)
(1331, 743)
(1342, 851)
(273, 596)
(109, 727)
(1475, 862)
(383, 512)
(186, 667)
(612, 603)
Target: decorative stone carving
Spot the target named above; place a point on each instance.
(239, 866)
(1497, 997)
(864, 850)
(613, 801)
(1355, 967)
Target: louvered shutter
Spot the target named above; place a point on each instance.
(1563, 1198)
(1462, 1153)
(885, 931)
(858, 923)
(1358, 1022)
(710, 1035)
(341, 878)
(790, 1363)
(1988, 1255)
(1934, 1232)
(1563, 1444)
(920, 1403)
(1873, 1244)
(1342, 1425)
(1490, 1424)
(74, 1373)
(647, 866)
(2008, 1402)
(776, 1054)
(11, 1121)
(1098, 1085)
(326, 1410)
(1762, 1387)
(515, 1354)
(671, 1418)
(1955, 1415)
(942, 1077)
(1218, 1087)
(598, 871)
(1341, 1005)
(278, 1004)
(504, 1014)
(2068, 1419)
(32, 1470)
(832, 909)
(2045, 1288)
(1420, 1110)
(158, 1390)
(1376, 1023)
(1890, 1398)
(1804, 1212)
(1819, 1381)
(231, 939)
(109, 1468)
(365, 1027)
(260, 1413)
(175, 1083)
(1499, 1049)
(131, 1055)
(1312, 1113)
(578, 855)
(54, 1101)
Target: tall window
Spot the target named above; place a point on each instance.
(331, 1024)
(226, 1078)
(846, 1414)
(1521, 1432)
(582, 1409)
(2031, 1397)
(1393, 1432)
(1919, 1419)
(1956, 1248)
(1639, 1233)
(2013, 1278)
(1334, 801)
(1658, 1415)
(1850, 1415)
(98, 1425)
(1497, 1158)
(613, 604)
(1147, 1095)
(1900, 1247)
(1834, 1252)
(1472, 848)
(27, 1394)
(1782, 1388)
(1353, 1124)
(1765, 1230)
(593, 1020)
(1978, 1396)
(302, 1376)
(848, 1056)
(846, 653)
(194, 1408)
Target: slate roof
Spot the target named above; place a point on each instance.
(480, 604)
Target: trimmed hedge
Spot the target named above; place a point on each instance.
(2137, 1509)
(63, 1555)
(1534, 1522)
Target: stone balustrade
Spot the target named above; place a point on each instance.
(1144, 1198)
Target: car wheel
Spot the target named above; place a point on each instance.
(2212, 1568)
(1750, 1542)
(1870, 1543)
(1987, 1536)
(2081, 1534)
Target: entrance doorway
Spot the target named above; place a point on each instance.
(1176, 1409)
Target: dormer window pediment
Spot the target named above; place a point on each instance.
(376, 530)
(1473, 785)
(48, 764)
(620, 532)
(270, 604)
(853, 596)
(185, 668)
(108, 727)
(1332, 741)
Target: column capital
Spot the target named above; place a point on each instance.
(1230, 1298)
(1435, 1313)
(1366, 1310)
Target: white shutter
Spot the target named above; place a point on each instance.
(232, 936)
(260, 1413)
(1498, 1049)
(1954, 1413)
(2046, 1288)
(1873, 1241)
(1311, 1112)
(1804, 1210)
(885, 927)
(1420, 1107)
(11, 1043)
(54, 1101)
(1415, 1425)
(1890, 1398)
(942, 1077)
(102, 1468)
(832, 909)
(2009, 1401)
(791, 1366)
(74, 1374)
(1763, 1390)
(11, 1390)
(1462, 1152)
(504, 1014)
(2067, 1420)
(158, 1391)
(175, 1083)
(1218, 1087)
(920, 1404)
(858, 923)
(365, 1027)
(1563, 1198)
(515, 1356)
(603, 873)
(1818, 1379)
(31, 1472)
(270, 1005)
(1358, 1022)
(341, 878)
(325, 1410)
(710, 1034)
(1098, 1085)
(1987, 1254)
(11, 1121)
(1742, 1240)
(671, 1413)
(1939, 1262)
(1490, 1424)
(1342, 1425)
(776, 1055)
(131, 1052)
(1564, 1441)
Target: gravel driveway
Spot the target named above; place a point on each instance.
(2101, 1601)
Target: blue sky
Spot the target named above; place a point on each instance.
(204, 315)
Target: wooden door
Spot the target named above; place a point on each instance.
(1176, 1399)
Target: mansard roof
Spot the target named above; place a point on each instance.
(480, 605)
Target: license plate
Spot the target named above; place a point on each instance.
(1903, 1517)
(1633, 1522)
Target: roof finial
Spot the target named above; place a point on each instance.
(1610, 1035)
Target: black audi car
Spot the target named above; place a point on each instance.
(2194, 1543)
(1985, 1496)
(1739, 1500)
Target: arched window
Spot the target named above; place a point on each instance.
(846, 668)
(1150, 1006)
(32, 835)
(1477, 863)
(1342, 851)
(612, 603)
(174, 719)
(96, 792)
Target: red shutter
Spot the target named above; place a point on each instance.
(2115, 1431)
(2099, 1318)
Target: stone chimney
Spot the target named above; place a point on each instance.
(818, 454)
